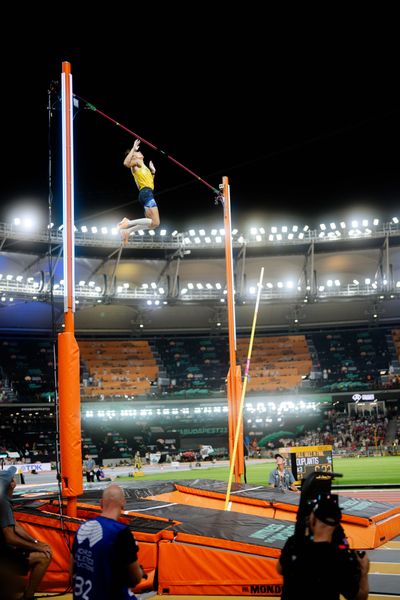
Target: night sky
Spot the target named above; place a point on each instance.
(304, 121)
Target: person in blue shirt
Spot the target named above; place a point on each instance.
(281, 477)
(104, 554)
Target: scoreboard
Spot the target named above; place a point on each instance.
(306, 459)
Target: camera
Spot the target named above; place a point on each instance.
(315, 487)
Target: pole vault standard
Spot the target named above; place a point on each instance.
(238, 444)
(68, 349)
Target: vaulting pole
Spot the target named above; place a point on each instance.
(234, 378)
(68, 350)
(238, 443)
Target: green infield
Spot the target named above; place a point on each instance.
(374, 470)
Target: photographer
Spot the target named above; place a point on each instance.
(320, 563)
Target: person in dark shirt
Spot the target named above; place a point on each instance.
(104, 554)
(316, 566)
(19, 550)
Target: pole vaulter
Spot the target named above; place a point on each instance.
(68, 349)
(234, 378)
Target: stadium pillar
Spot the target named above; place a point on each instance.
(234, 378)
(68, 350)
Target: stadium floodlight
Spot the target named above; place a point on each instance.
(156, 302)
(141, 232)
(354, 224)
(125, 285)
(395, 220)
(337, 282)
(262, 230)
(234, 231)
(241, 239)
(284, 229)
(274, 230)
(197, 240)
(163, 232)
(258, 238)
(342, 224)
(295, 228)
(301, 235)
(364, 222)
(84, 229)
(290, 236)
(153, 285)
(207, 240)
(93, 229)
(190, 286)
(329, 283)
(252, 290)
(322, 226)
(218, 285)
(161, 291)
(152, 232)
(253, 230)
(356, 282)
(289, 285)
(199, 286)
(104, 230)
(119, 289)
(202, 232)
(9, 277)
(91, 284)
(306, 228)
(209, 286)
(222, 231)
(375, 222)
(17, 221)
(218, 324)
(114, 231)
(214, 231)
(321, 288)
(321, 234)
(270, 285)
(218, 239)
(280, 284)
(367, 281)
(81, 283)
(332, 226)
(279, 237)
(145, 286)
(271, 237)
(149, 302)
(187, 240)
(174, 233)
(192, 232)
(97, 289)
(183, 291)
(19, 278)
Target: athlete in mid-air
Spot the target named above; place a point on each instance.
(144, 178)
